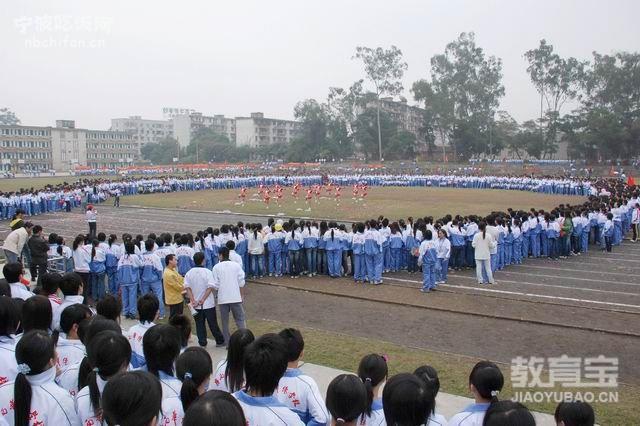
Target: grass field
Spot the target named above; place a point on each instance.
(392, 202)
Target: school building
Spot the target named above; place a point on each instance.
(25, 149)
(143, 130)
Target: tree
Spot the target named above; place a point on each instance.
(466, 86)
(438, 117)
(208, 145)
(504, 132)
(557, 80)
(8, 117)
(401, 146)
(366, 132)
(161, 152)
(384, 68)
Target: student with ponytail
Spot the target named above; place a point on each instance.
(112, 255)
(373, 372)
(485, 383)
(9, 321)
(193, 368)
(34, 396)
(429, 376)
(109, 353)
(229, 374)
(346, 400)
(98, 269)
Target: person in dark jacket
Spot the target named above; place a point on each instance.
(38, 247)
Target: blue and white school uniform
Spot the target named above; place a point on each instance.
(457, 239)
(275, 241)
(385, 231)
(68, 379)
(112, 254)
(172, 410)
(428, 259)
(266, 411)
(135, 335)
(333, 248)
(376, 418)
(98, 269)
(50, 404)
(300, 393)
(396, 246)
(184, 255)
(69, 351)
(472, 415)
(8, 364)
(471, 231)
(443, 250)
(373, 255)
(359, 265)
(411, 246)
(151, 278)
(129, 280)
(436, 419)
(310, 244)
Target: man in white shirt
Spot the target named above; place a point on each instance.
(13, 274)
(199, 284)
(228, 278)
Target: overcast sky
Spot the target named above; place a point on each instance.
(238, 56)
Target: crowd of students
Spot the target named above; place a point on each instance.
(62, 363)
(66, 196)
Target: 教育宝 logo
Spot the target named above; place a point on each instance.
(589, 380)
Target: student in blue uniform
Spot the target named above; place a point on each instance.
(193, 369)
(274, 245)
(428, 257)
(112, 255)
(265, 362)
(373, 372)
(151, 275)
(297, 390)
(406, 401)
(485, 383)
(357, 245)
(443, 249)
(395, 247)
(346, 400)
(129, 279)
(333, 242)
(97, 267)
(373, 253)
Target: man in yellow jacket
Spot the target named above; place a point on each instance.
(173, 284)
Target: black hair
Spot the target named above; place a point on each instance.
(9, 316)
(36, 314)
(70, 284)
(183, 325)
(36, 229)
(108, 353)
(35, 349)
(12, 271)
(148, 306)
(5, 288)
(73, 314)
(508, 413)
(198, 258)
(372, 371)
(406, 401)
(148, 245)
(161, 347)
(265, 362)
(112, 239)
(231, 245)
(215, 408)
(429, 376)
(575, 413)
(168, 258)
(234, 372)
(60, 243)
(87, 332)
(346, 398)
(193, 368)
(487, 379)
(131, 399)
(223, 252)
(109, 307)
(53, 238)
(50, 282)
(294, 341)
(102, 237)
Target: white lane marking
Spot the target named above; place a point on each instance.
(528, 265)
(543, 296)
(564, 278)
